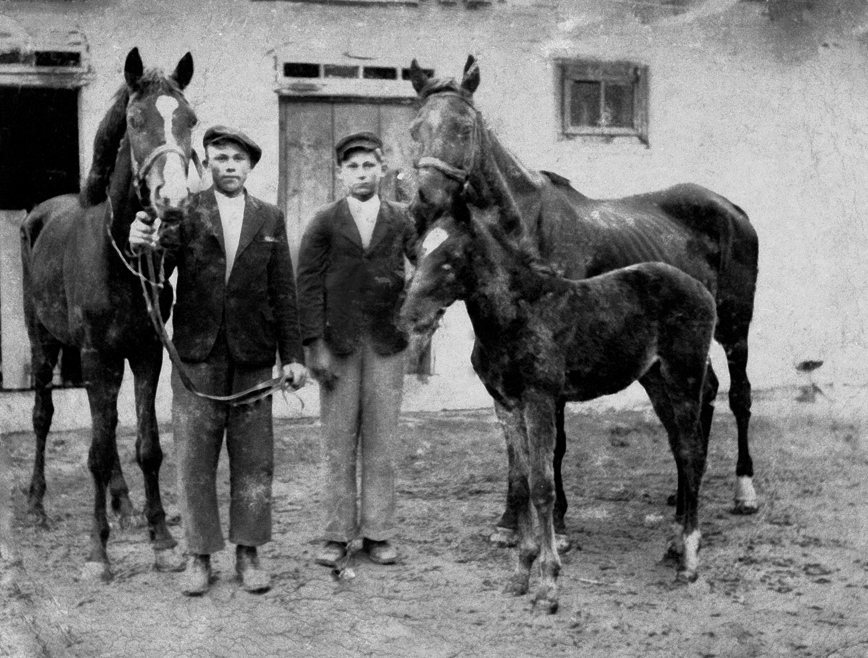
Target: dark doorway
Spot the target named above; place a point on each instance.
(38, 145)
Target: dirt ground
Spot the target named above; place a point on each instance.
(791, 580)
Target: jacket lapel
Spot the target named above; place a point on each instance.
(347, 225)
(381, 227)
(250, 224)
(210, 215)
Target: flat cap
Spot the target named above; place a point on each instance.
(224, 133)
(364, 140)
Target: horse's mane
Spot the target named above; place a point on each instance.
(437, 85)
(111, 131)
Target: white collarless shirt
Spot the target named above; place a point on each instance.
(231, 217)
(365, 215)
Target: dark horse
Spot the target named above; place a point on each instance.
(79, 293)
(687, 226)
(542, 338)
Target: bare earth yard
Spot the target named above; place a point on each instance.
(791, 580)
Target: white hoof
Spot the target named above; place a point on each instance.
(503, 537)
(745, 496)
(168, 560)
(563, 544)
(96, 571)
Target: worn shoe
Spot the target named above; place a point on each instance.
(381, 552)
(253, 577)
(331, 553)
(196, 576)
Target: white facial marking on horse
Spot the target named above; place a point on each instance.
(174, 189)
(434, 239)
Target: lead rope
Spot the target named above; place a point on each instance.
(151, 280)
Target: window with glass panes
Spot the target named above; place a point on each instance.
(604, 99)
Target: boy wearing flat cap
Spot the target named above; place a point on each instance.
(235, 311)
(350, 289)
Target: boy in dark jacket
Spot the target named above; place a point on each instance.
(350, 289)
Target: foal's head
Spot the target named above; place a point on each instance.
(443, 263)
(446, 133)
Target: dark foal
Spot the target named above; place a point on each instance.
(542, 338)
(687, 226)
(79, 293)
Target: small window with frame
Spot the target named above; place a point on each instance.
(607, 100)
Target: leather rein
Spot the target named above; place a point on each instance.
(142, 266)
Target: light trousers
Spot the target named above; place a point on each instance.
(359, 435)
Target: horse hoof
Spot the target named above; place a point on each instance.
(132, 521)
(685, 577)
(563, 544)
(745, 507)
(545, 604)
(38, 518)
(503, 537)
(168, 560)
(96, 571)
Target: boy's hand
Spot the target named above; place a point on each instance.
(319, 363)
(296, 374)
(143, 233)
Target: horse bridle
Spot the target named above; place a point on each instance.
(460, 174)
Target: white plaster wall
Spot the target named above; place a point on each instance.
(758, 110)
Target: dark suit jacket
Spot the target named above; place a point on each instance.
(344, 289)
(258, 302)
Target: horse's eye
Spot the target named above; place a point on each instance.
(446, 267)
(135, 119)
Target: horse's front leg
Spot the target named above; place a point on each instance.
(149, 455)
(103, 376)
(539, 414)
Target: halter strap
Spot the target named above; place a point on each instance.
(141, 170)
(460, 174)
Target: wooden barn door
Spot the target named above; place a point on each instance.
(309, 130)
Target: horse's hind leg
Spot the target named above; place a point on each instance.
(740, 403)
(103, 377)
(560, 510)
(149, 454)
(44, 353)
(677, 398)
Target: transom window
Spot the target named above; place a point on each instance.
(604, 99)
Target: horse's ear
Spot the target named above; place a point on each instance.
(184, 71)
(133, 69)
(418, 76)
(470, 81)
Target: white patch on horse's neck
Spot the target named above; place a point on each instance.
(434, 239)
(166, 106)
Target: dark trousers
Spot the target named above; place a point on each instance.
(199, 427)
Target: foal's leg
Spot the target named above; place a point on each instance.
(560, 510)
(44, 353)
(539, 413)
(149, 455)
(103, 377)
(512, 424)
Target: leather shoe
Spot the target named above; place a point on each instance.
(331, 553)
(253, 577)
(381, 552)
(196, 576)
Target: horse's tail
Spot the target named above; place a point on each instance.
(739, 269)
(31, 227)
